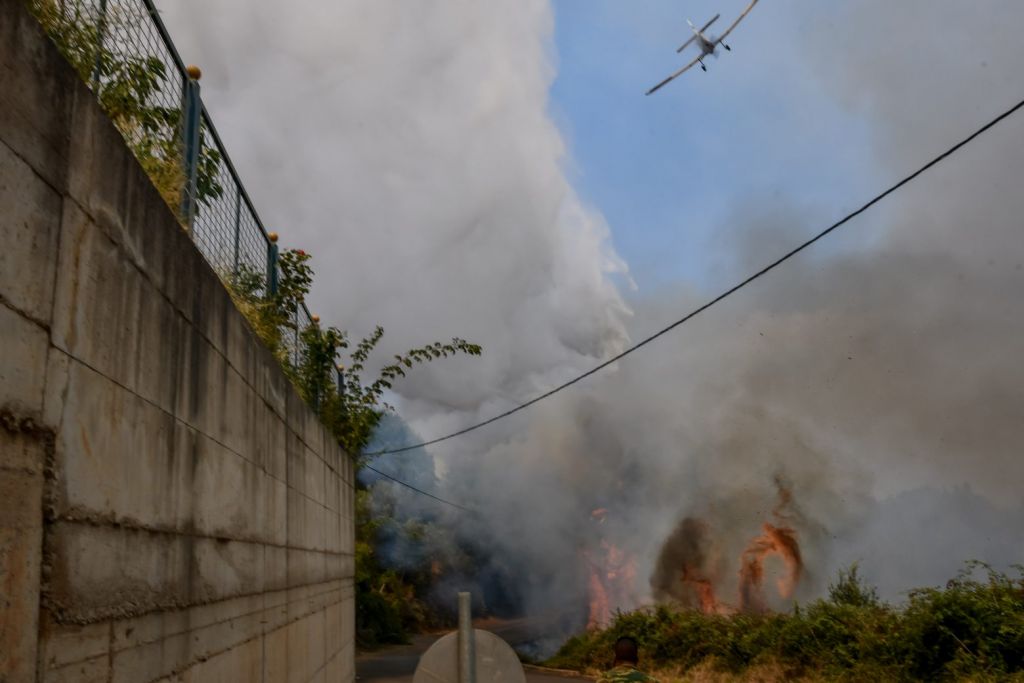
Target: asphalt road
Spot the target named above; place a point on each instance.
(397, 664)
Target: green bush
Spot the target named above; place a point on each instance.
(378, 621)
(973, 629)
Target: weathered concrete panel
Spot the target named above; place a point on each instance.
(31, 222)
(275, 568)
(65, 645)
(275, 661)
(306, 646)
(34, 103)
(122, 457)
(74, 653)
(275, 508)
(244, 513)
(242, 663)
(95, 670)
(21, 537)
(98, 288)
(22, 364)
(167, 651)
(225, 569)
(102, 572)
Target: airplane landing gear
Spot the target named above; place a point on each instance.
(727, 47)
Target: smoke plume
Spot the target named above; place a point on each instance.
(878, 377)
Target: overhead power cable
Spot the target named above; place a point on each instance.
(771, 266)
(420, 491)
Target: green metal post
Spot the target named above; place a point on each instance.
(319, 389)
(271, 268)
(238, 221)
(192, 108)
(296, 336)
(101, 34)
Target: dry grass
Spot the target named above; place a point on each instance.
(707, 672)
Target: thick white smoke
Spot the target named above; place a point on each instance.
(408, 147)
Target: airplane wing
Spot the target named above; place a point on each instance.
(736, 23)
(694, 36)
(675, 75)
(684, 45)
(706, 26)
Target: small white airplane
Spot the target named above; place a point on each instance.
(707, 44)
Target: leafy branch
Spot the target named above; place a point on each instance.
(349, 405)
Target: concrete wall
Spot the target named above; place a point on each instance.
(169, 508)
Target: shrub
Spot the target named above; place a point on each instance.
(971, 629)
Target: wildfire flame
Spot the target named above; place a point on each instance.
(774, 540)
(704, 590)
(600, 612)
(689, 569)
(611, 577)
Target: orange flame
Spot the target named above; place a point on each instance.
(775, 539)
(688, 570)
(600, 613)
(704, 590)
(620, 574)
(611, 577)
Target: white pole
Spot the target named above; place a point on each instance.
(467, 644)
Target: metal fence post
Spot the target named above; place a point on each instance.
(320, 389)
(101, 34)
(191, 109)
(297, 346)
(238, 223)
(272, 264)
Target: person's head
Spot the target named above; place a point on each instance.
(626, 651)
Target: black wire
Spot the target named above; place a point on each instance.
(721, 296)
(420, 491)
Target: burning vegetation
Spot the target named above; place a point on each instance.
(611, 577)
(692, 569)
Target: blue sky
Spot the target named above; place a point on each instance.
(668, 170)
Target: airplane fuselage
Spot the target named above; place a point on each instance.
(706, 46)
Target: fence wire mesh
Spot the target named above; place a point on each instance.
(122, 49)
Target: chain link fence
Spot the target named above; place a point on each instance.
(122, 49)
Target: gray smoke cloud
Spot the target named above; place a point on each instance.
(410, 149)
